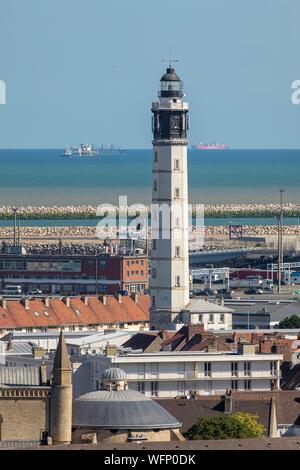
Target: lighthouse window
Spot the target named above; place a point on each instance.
(177, 251)
(155, 156)
(177, 221)
(155, 185)
(177, 193)
(177, 281)
(176, 164)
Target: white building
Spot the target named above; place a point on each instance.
(171, 374)
(169, 281)
(212, 315)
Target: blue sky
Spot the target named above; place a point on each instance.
(87, 71)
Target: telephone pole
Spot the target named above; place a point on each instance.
(280, 240)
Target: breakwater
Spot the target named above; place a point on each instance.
(89, 232)
(90, 212)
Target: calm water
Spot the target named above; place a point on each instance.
(208, 221)
(43, 177)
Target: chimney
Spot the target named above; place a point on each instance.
(3, 303)
(47, 301)
(265, 346)
(135, 297)
(67, 301)
(85, 300)
(222, 301)
(119, 297)
(103, 299)
(25, 302)
(228, 402)
(193, 329)
(111, 350)
(43, 374)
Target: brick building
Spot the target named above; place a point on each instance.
(75, 274)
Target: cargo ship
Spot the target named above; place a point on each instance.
(88, 150)
(215, 146)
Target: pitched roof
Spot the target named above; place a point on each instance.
(20, 376)
(258, 403)
(203, 306)
(58, 313)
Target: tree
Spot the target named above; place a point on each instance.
(290, 322)
(236, 426)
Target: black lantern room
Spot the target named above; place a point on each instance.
(170, 117)
(170, 85)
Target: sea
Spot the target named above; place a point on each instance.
(43, 177)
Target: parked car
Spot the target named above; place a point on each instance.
(254, 291)
(225, 293)
(35, 292)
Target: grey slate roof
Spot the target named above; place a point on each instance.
(124, 409)
(20, 376)
(202, 306)
(277, 312)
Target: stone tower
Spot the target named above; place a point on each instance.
(61, 396)
(169, 282)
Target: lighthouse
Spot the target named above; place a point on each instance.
(169, 281)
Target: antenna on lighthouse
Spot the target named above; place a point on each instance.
(170, 61)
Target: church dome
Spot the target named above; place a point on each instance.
(121, 409)
(114, 373)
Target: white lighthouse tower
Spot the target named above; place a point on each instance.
(169, 282)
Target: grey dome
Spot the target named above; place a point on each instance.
(170, 76)
(122, 409)
(114, 373)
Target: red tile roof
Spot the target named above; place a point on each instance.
(96, 312)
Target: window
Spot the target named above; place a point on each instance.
(273, 368)
(177, 251)
(247, 368)
(234, 385)
(127, 263)
(132, 273)
(177, 193)
(128, 273)
(137, 273)
(180, 369)
(176, 164)
(141, 387)
(141, 370)
(155, 185)
(181, 387)
(142, 262)
(153, 244)
(177, 222)
(207, 369)
(103, 263)
(154, 389)
(222, 318)
(211, 318)
(177, 281)
(247, 384)
(154, 369)
(200, 318)
(234, 369)
(153, 301)
(142, 272)
(155, 156)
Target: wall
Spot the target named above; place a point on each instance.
(122, 435)
(23, 418)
